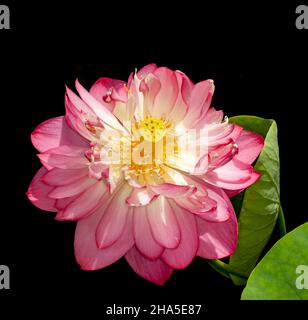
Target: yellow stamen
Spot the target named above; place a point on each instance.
(152, 129)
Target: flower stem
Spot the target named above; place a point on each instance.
(218, 268)
(225, 269)
(281, 222)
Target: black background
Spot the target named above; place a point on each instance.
(258, 60)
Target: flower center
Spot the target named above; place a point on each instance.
(152, 129)
(142, 154)
(152, 133)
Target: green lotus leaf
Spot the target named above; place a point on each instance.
(261, 201)
(283, 272)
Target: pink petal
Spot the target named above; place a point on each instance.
(88, 255)
(203, 122)
(170, 190)
(180, 107)
(232, 176)
(62, 203)
(56, 176)
(253, 178)
(55, 132)
(222, 133)
(174, 176)
(207, 202)
(200, 100)
(182, 256)
(222, 211)
(155, 271)
(62, 161)
(250, 145)
(98, 170)
(201, 166)
(167, 95)
(213, 116)
(140, 197)
(185, 162)
(143, 72)
(143, 235)
(163, 223)
(75, 117)
(217, 240)
(113, 221)
(99, 109)
(38, 192)
(134, 87)
(65, 157)
(187, 87)
(69, 150)
(198, 203)
(72, 189)
(133, 183)
(114, 179)
(150, 87)
(221, 154)
(86, 203)
(78, 103)
(107, 91)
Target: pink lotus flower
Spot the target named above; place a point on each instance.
(157, 207)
